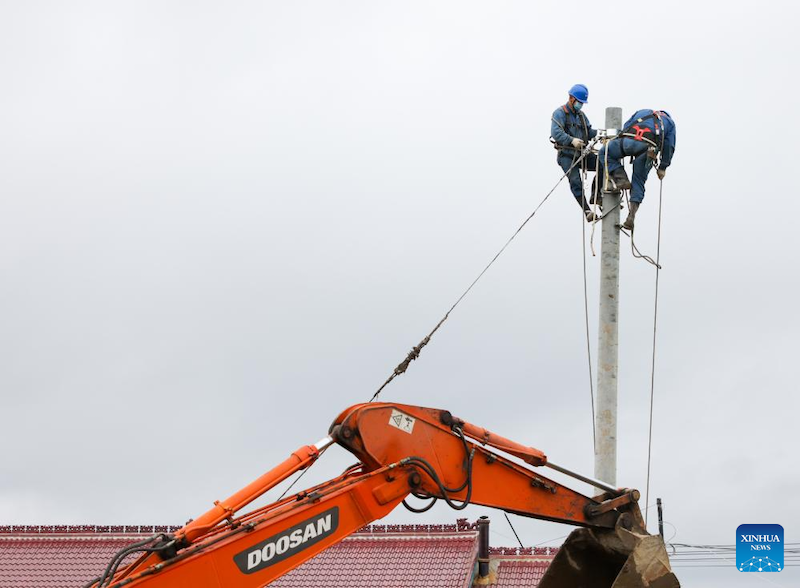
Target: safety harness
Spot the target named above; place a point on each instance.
(575, 125)
(639, 132)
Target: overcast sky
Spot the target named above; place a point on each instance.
(223, 223)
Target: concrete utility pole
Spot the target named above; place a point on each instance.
(605, 450)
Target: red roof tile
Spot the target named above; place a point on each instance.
(56, 562)
(378, 556)
(520, 574)
(389, 561)
(34, 557)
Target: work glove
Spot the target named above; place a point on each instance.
(577, 143)
(661, 173)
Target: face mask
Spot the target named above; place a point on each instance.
(577, 106)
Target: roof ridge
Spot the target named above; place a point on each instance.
(94, 529)
(522, 550)
(460, 526)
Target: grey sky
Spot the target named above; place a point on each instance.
(223, 223)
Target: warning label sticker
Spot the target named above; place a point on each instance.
(402, 421)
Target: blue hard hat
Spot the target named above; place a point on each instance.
(580, 93)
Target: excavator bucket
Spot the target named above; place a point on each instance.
(618, 558)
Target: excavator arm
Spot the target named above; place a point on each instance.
(402, 450)
(445, 447)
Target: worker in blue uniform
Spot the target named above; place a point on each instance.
(570, 130)
(648, 137)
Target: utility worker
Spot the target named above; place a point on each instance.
(646, 135)
(570, 130)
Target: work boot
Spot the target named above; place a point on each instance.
(590, 216)
(628, 224)
(620, 179)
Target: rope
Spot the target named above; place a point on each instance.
(414, 353)
(653, 363)
(597, 217)
(598, 189)
(586, 294)
(634, 249)
(588, 341)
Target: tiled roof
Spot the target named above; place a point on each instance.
(520, 574)
(389, 561)
(56, 562)
(378, 556)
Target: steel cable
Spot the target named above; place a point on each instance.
(513, 530)
(414, 353)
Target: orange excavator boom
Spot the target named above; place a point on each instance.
(402, 450)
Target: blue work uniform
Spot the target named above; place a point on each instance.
(566, 124)
(645, 130)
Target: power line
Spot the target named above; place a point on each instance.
(687, 555)
(513, 530)
(414, 353)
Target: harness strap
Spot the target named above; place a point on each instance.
(573, 123)
(637, 132)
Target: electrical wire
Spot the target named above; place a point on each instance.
(588, 337)
(513, 530)
(551, 540)
(634, 249)
(303, 473)
(653, 362)
(414, 353)
(503, 535)
(425, 466)
(687, 555)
